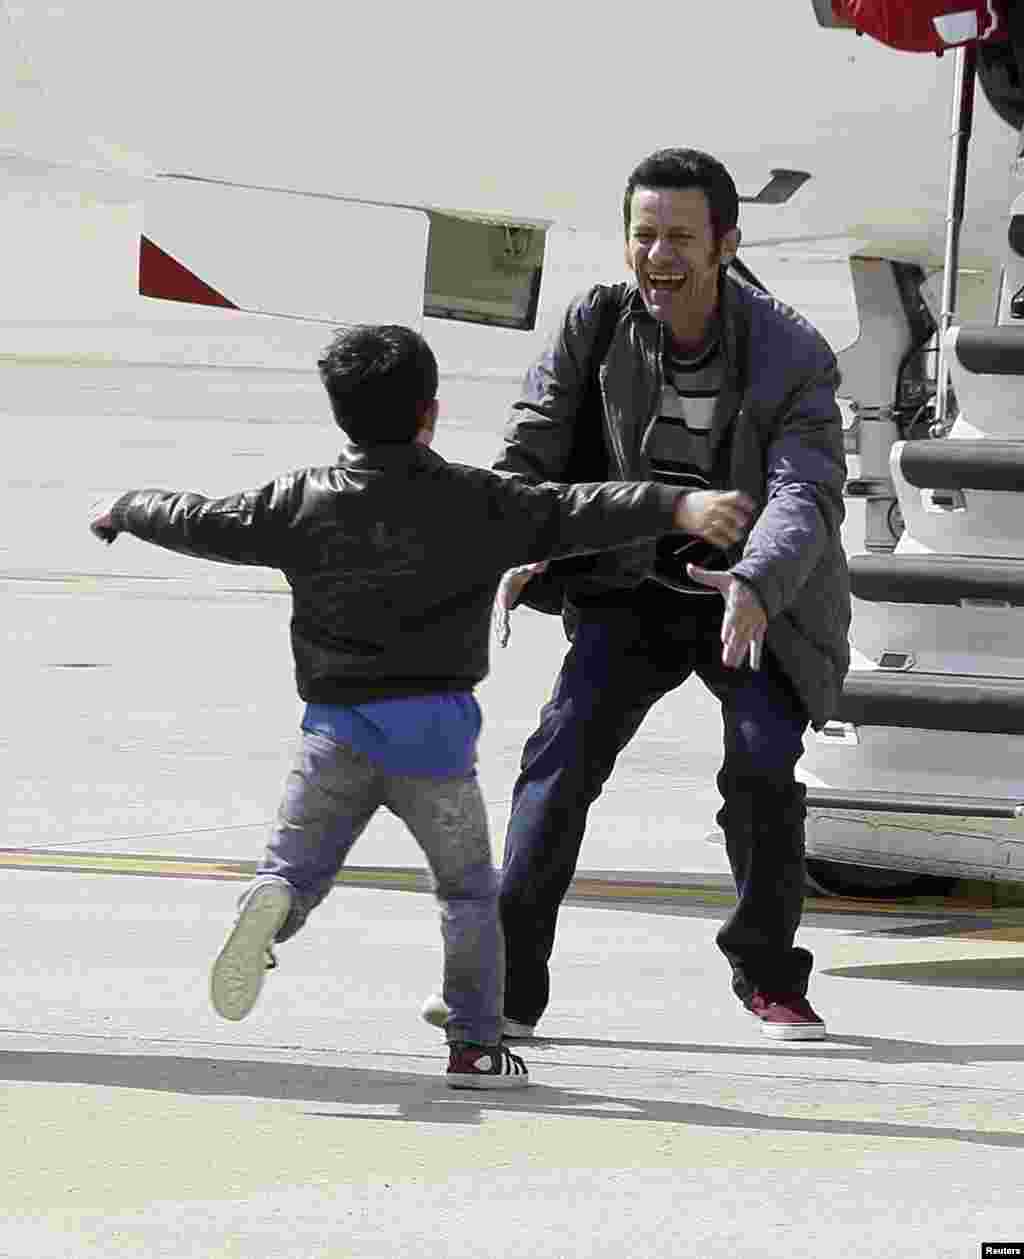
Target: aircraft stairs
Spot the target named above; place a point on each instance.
(923, 768)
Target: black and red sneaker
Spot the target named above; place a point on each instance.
(485, 1067)
(786, 1015)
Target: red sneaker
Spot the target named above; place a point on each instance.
(786, 1016)
(485, 1067)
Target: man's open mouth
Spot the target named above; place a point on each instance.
(665, 280)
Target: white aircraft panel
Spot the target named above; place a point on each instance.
(300, 256)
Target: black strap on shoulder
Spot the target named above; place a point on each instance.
(588, 459)
(608, 322)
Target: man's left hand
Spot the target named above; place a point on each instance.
(101, 524)
(744, 622)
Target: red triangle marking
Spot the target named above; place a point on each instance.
(162, 276)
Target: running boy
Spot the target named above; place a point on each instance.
(394, 557)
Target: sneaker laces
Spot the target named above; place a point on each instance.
(793, 1000)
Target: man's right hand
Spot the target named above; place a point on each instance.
(719, 517)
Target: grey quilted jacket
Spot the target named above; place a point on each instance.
(777, 435)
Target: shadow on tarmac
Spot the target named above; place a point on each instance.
(427, 1099)
(967, 972)
(837, 1046)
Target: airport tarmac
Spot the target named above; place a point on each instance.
(149, 722)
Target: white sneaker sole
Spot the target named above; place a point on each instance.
(241, 966)
(517, 1031)
(791, 1031)
(483, 1081)
(435, 1012)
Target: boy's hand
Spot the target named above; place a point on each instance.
(509, 592)
(719, 517)
(101, 525)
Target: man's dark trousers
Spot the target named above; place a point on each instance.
(622, 660)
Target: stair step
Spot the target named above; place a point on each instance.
(990, 351)
(912, 802)
(949, 464)
(930, 701)
(937, 579)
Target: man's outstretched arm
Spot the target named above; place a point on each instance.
(803, 507)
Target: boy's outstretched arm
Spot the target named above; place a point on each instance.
(250, 527)
(585, 518)
(548, 520)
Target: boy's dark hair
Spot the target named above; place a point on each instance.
(688, 168)
(379, 377)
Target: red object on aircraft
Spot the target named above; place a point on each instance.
(925, 25)
(160, 275)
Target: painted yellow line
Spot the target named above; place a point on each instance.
(589, 889)
(1011, 935)
(1000, 923)
(156, 865)
(584, 888)
(123, 863)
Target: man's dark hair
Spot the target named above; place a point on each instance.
(688, 168)
(379, 377)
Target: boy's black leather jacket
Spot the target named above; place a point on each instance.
(394, 557)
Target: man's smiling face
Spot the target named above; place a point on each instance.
(671, 249)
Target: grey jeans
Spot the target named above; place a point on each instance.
(331, 794)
